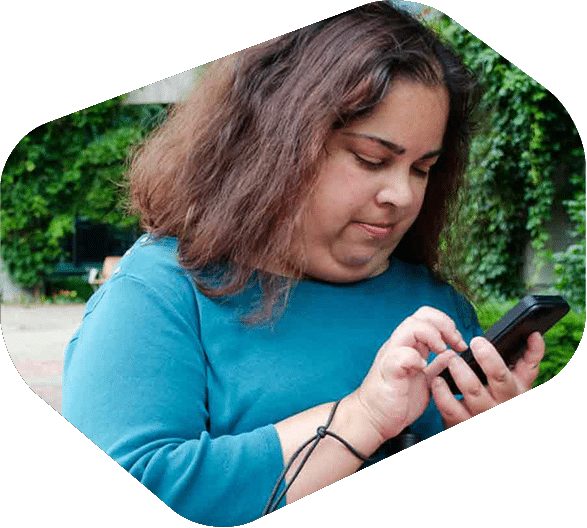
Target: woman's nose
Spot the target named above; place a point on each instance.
(396, 189)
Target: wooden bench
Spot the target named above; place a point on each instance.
(98, 277)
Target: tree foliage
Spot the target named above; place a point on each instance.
(66, 168)
(526, 157)
(570, 264)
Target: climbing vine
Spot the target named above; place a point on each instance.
(526, 158)
(62, 169)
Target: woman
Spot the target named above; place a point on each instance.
(293, 207)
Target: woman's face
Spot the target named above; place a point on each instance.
(371, 184)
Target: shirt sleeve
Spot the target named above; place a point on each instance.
(135, 384)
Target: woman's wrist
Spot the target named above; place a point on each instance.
(353, 424)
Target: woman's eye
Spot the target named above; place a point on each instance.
(368, 163)
(420, 172)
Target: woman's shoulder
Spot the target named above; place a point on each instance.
(153, 262)
(147, 279)
(155, 250)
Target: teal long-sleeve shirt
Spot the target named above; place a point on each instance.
(184, 396)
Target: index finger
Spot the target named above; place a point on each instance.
(445, 325)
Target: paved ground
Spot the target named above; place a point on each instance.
(35, 338)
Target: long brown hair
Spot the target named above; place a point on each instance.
(231, 169)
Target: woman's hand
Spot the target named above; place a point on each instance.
(395, 391)
(393, 394)
(502, 384)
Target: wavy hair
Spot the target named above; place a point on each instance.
(231, 169)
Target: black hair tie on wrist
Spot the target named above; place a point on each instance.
(321, 432)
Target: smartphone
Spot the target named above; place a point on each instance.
(534, 313)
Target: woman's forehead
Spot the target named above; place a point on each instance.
(411, 114)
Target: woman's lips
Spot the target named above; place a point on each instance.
(375, 231)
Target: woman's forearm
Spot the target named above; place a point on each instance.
(331, 460)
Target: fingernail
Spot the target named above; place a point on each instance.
(459, 338)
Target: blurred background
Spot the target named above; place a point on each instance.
(62, 209)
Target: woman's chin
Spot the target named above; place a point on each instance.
(351, 268)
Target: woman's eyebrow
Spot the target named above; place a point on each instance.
(394, 147)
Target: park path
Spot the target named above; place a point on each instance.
(35, 337)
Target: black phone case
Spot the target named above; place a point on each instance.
(534, 313)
